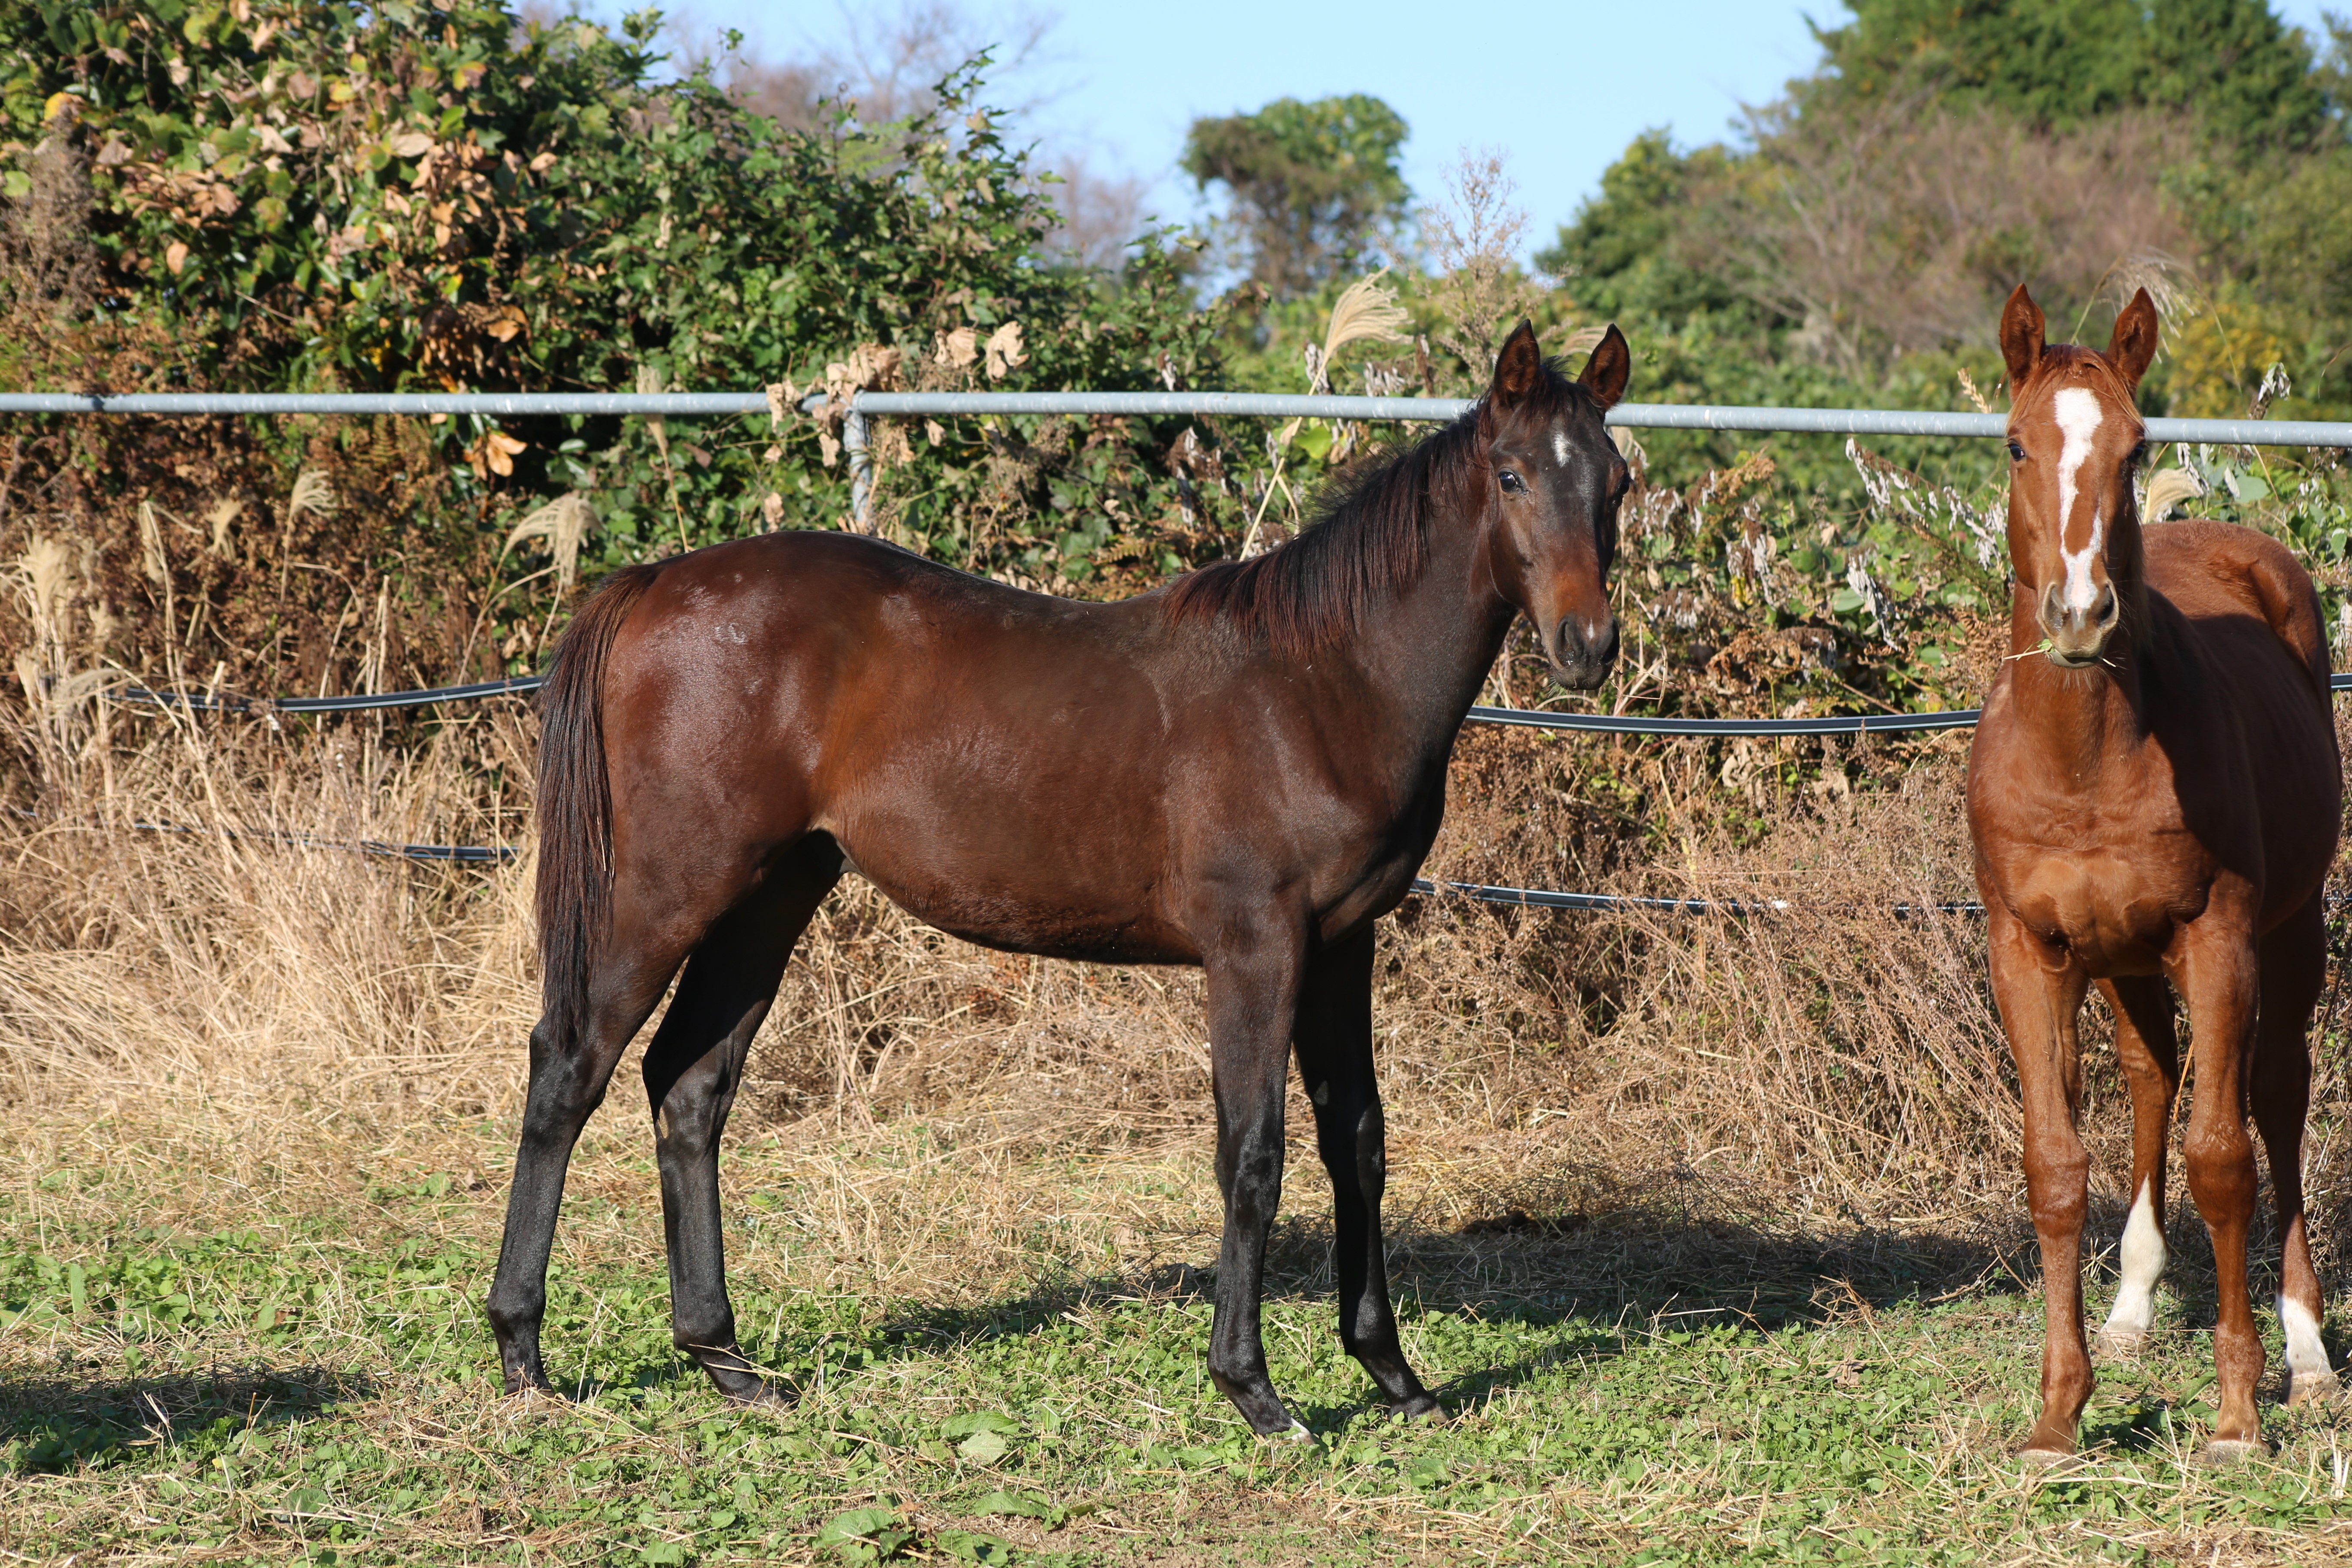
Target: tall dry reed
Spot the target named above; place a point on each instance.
(184, 918)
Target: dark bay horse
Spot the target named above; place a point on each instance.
(2154, 796)
(1242, 770)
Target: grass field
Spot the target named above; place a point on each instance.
(224, 1339)
(1708, 1231)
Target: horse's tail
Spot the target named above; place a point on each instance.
(575, 805)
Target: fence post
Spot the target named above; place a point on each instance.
(861, 466)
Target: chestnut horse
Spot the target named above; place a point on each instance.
(1242, 771)
(2154, 795)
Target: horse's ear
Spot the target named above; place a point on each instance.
(2020, 338)
(1518, 366)
(2134, 343)
(1610, 366)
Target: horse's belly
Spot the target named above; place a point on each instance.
(2108, 913)
(1107, 923)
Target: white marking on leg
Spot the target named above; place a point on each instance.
(2306, 1354)
(1559, 447)
(2143, 1260)
(2079, 416)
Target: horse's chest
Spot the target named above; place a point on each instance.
(2106, 908)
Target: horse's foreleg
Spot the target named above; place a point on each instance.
(2218, 972)
(691, 1071)
(1252, 1001)
(2039, 1003)
(567, 1084)
(1334, 1041)
(2150, 1059)
(2295, 969)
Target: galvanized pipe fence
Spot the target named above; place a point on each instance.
(866, 405)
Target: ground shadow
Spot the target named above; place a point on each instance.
(1546, 1263)
(1656, 1249)
(55, 1422)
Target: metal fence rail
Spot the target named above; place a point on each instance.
(1256, 404)
(866, 405)
(1518, 718)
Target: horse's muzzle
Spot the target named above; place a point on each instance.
(1583, 655)
(2078, 636)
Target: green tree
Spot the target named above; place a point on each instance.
(1315, 187)
(1617, 257)
(2052, 62)
(2245, 75)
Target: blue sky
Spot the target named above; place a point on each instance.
(1559, 89)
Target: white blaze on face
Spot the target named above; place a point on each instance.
(2306, 1356)
(2078, 415)
(1560, 445)
(2143, 1260)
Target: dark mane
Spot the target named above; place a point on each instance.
(1370, 533)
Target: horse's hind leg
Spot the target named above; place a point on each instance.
(1334, 1041)
(567, 1083)
(692, 1069)
(2150, 1057)
(2294, 963)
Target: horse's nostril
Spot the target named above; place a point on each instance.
(2109, 605)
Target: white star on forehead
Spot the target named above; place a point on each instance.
(1560, 445)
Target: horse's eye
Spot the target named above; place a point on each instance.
(1508, 481)
(2016, 453)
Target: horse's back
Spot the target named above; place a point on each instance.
(955, 736)
(2216, 572)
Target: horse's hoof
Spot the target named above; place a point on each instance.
(2120, 1344)
(2224, 1451)
(1420, 1407)
(2313, 1388)
(2049, 1461)
(764, 1396)
(1298, 1434)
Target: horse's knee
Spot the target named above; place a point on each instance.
(2221, 1168)
(2057, 1187)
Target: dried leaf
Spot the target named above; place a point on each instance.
(1004, 351)
(956, 350)
(496, 453)
(773, 510)
(935, 430)
(781, 397)
(175, 257)
(411, 144)
(829, 446)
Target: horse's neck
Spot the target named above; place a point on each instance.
(1432, 641)
(2081, 723)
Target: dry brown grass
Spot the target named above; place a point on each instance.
(1826, 1061)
